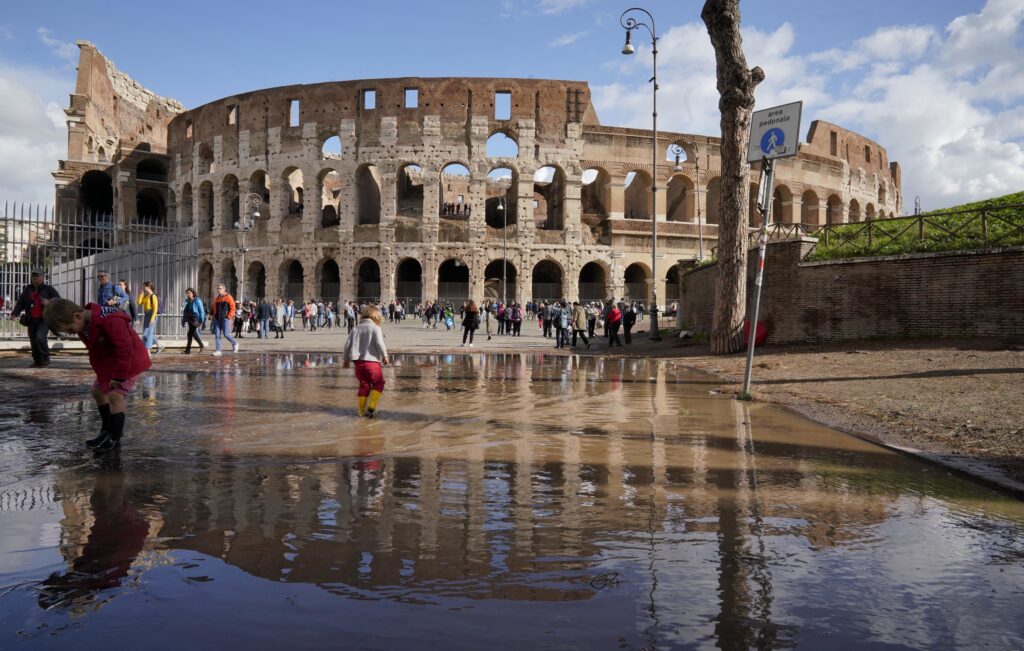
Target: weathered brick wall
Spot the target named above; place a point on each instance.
(921, 295)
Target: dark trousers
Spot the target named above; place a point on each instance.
(501, 326)
(193, 333)
(468, 332)
(517, 326)
(591, 324)
(582, 336)
(626, 329)
(613, 335)
(37, 333)
(559, 337)
(547, 327)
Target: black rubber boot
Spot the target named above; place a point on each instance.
(113, 441)
(104, 427)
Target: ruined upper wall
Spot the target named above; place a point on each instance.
(109, 110)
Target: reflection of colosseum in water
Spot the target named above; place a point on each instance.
(416, 188)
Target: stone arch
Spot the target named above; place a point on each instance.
(328, 279)
(854, 211)
(547, 280)
(502, 190)
(455, 190)
(671, 285)
(594, 281)
(714, 200)
(596, 192)
(409, 281)
(96, 196)
(328, 183)
(230, 209)
(293, 279)
(681, 199)
(810, 213)
(869, 211)
(637, 195)
(259, 183)
(549, 198)
(229, 278)
(687, 152)
(331, 148)
(635, 278)
(501, 144)
(205, 282)
(151, 169)
(150, 207)
(368, 195)
(206, 199)
(881, 194)
(834, 210)
(409, 190)
(255, 281)
(101, 155)
(185, 206)
(205, 161)
(367, 281)
(782, 205)
(453, 281)
(294, 188)
(493, 274)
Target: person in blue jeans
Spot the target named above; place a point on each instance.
(150, 308)
(223, 313)
(265, 312)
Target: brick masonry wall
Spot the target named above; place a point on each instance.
(961, 294)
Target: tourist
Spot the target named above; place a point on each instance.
(608, 305)
(223, 312)
(556, 322)
(488, 311)
(150, 305)
(592, 313)
(132, 312)
(314, 314)
(470, 322)
(193, 313)
(449, 317)
(500, 315)
(289, 316)
(305, 315)
(612, 323)
(628, 321)
(280, 318)
(546, 314)
(116, 354)
(350, 315)
(241, 316)
(515, 317)
(264, 313)
(30, 306)
(579, 323)
(565, 321)
(110, 295)
(365, 347)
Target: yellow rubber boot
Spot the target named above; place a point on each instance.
(371, 405)
(362, 405)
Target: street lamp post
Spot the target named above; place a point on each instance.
(504, 252)
(243, 226)
(629, 23)
(679, 151)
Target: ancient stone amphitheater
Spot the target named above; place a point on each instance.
(416, 188)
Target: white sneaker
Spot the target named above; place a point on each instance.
(217, 353)
(462, 345)
(471, 345)
(234, 347)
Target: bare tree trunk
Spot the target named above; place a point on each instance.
(736, 84)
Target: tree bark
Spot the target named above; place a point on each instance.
(736, 84)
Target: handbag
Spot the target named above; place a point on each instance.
(23, 319)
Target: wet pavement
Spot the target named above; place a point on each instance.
(498, 501)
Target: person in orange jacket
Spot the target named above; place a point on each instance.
(223, 312)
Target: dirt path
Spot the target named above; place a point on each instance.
(962, 400)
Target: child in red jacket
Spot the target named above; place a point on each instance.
(116, 354)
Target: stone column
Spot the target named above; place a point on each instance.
(617, 209)
(572, 208)
(312, 201)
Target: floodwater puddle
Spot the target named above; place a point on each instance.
(499, 501)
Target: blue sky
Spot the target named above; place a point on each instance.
(937, 82)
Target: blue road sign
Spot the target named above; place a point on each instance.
(771, 139)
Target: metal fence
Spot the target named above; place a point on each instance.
(71, 248)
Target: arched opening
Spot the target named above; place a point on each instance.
(331, 149)
(367, 281)
(150, 169)
(680, 199)
(501, 145)
(672, 285)
(150, 207)
(493, 275)
(294, 189)
(596, 193)
(255, 282)
(330, 280)
(782, 206)
(549, 198)
(101, 155)
(881, 195)
(367, 195)
(409, 282)
(547, 281)
(205, 163)
(854, 211)
(229, 278)
(96, 196)
(834, 210)
(636, 282)
(869, 211)
(455, 199)
(409, 190)
(593, 282)
(453, 281)
(809, 211)
(293, 281)
(230, 198)
(500, 207)
(329, 182)
(205, 207)
(259, 183)
(185, 207)
(638, 195)
(205, 279)
(714, 201)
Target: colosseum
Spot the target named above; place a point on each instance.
(413, 188)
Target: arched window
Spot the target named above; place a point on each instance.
(96, 196)
(501, 145)
(409, 281)
(809, 211)
(593, 282)
(150, 207)
(455, 199)
(500, 207)
(681, 199)
(368, 281)
(493, 275)
(547, 281)
(596, 193)
(331, 148)
(368, 195)
(409, 190)
(453, 281)
(549, 198)
(638, 195)
(329, 182)
(293, 281)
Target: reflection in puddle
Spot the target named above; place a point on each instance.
(501, 500)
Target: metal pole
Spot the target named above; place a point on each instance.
(504, 254)
(700, 227)
(766, 191)
(655, 332)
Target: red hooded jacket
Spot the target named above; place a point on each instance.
(115, 350)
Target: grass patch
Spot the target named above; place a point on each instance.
(982, 224)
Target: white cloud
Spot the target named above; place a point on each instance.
(945, 104)
(567, 39)
(61, 49)
(560, 6)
